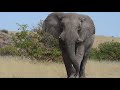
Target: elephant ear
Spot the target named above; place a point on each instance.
(51, 24)
(87, 27)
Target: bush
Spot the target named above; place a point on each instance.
(43, 46)
(106, 51)
(9, 50)
(48, 40)
(94, 54)
(36, 44)
(4, 31)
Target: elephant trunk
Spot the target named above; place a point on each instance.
(72, 55)
(74, 52)
(71, 52)
(70, 42)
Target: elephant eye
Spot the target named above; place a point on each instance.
(62, 25)
(79, 29)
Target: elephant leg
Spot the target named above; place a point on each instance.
(84, 61)
(68, 65)
(83, 64)
(79, 59)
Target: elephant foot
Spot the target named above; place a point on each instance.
(72, 76)
(82, 76)
(77, 76)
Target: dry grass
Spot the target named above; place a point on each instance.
(103, 69)
(101, 39)
(15, 67)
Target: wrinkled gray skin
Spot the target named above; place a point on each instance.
(76, 35)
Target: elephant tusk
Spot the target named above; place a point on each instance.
(59, 37)
(79, 40)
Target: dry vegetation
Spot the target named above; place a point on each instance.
(98, 39)
(101, 39)
(15, 67)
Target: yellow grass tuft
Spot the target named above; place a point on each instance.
(15, 67)
(24, 68)
(103, 69)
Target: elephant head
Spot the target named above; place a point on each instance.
(72, 30)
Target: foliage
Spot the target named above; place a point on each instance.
(9, 50)
(36, 44)
(5, 31)
(106, 51)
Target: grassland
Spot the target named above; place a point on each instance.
(102, 39)
(15, 67)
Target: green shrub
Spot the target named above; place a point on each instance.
(110, 50)
(4, 31)
(9, 50)
(94, 54)
(36, 44)
(106, 51)
(49, 41)
(43, 46)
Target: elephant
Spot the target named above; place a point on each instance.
(76, 34)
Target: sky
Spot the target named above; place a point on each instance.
(106, 23)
